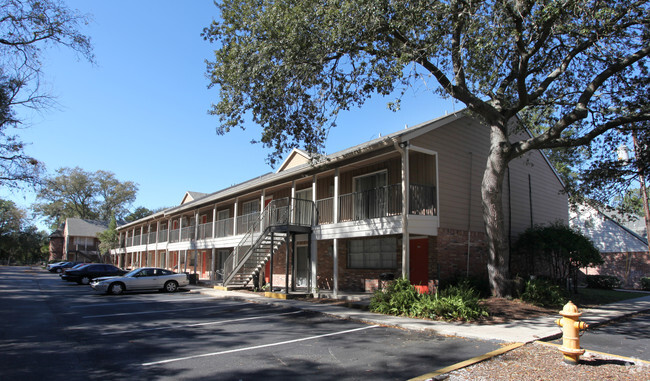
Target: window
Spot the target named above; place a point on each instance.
(250, 207)
(378, 253)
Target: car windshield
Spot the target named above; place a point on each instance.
(132, 273)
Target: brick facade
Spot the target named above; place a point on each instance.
(56, 248)
(448, 255)
(628, 267)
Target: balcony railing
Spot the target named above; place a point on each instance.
(162, 235)
(373, 203)
(325, 209)
(245, 222)
(204, 231)
(174, 235)
(187, 233)
(422, 200)
(224, 227)
(152, 237)
(136, 240)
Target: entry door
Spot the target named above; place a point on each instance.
(302, 266)
(419, 261)
(221, 258)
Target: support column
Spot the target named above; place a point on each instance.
(313, 246)
(235, 210)
(335, 250)
(213, 271)
(406, 255)
(286, 273)
(214, 222)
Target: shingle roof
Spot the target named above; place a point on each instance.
(84, 228)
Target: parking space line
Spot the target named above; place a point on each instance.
(137, 302)
(258, 346)
(149, 312)
(198, 324)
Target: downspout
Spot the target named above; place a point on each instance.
(402, 148)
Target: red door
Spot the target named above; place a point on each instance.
(419, 261)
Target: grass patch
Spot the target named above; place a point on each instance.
(593, 297)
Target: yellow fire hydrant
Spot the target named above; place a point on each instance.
(571, 326)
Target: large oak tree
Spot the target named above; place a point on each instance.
(577, 66)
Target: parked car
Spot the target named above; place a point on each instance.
(49, 265)
(85, 274)
(62, 266)
(77, 266)
(145, 278)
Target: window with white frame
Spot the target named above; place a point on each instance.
(249, 207)
(376, 253)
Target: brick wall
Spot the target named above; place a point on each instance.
(448, 254)
(56, 249)
(628, 267)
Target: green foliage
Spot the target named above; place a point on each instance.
(109, 238)
(543, 293)
(74, 192)
(605, 282)
(20, 242)
(460, 302)
(645, 283)
(27, 27)
(561, 248)
(292, 66)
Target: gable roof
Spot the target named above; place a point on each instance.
(295, 158)
(607, 234)
(84, 228)
(192, 196)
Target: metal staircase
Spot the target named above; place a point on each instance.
(279, 219)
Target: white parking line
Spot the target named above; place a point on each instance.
(149, 312)
(138, 302)
(258, 346)
(198, 324)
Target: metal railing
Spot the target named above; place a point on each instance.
(152, 237)
(162, 235)
(423, 200)
(245, 222)
(174, 235)
(204, 231)
(224, 228)
(136, 240)
(374, 203)
(325, 209)
(187, 233)
(277, 213)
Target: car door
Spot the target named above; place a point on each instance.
(145, 279)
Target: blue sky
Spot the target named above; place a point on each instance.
(141, 111)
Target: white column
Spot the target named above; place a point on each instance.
(313, 255)
(234, 225)
(335, 250)
(406, 255)
(214, 221)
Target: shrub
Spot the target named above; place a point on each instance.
(645, 283)
(459, 302)
(606, 282)
(543, 293)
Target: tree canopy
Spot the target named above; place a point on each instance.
(577, 68)
(27, 27)
(74, 192)
(20, 241)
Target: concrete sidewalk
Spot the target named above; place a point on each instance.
(522, 331)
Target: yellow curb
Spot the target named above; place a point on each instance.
(469, 362)
(221, 288)
(600, 353)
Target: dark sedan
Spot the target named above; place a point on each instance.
(58, 268)
(85, 274)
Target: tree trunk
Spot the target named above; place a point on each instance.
(492, 200)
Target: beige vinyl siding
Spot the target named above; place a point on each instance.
(453, 143)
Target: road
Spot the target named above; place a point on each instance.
(53, 330)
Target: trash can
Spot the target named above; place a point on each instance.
(194, 278)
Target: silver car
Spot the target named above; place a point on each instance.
(144, 278)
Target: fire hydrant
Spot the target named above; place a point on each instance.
(571, 326)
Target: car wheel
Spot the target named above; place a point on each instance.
(85, 280)
(171, 286)
(116, 289)
(59, 270)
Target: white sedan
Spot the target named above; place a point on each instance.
(144, 278)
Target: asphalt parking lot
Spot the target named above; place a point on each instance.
(52, 330)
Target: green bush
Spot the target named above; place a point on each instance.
(605, 282)
(459, 302)
(645, 283)
(543, 293)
